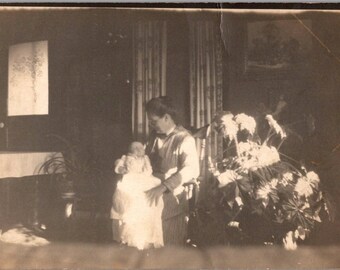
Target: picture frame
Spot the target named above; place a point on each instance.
(278, 48)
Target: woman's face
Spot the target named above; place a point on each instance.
(159, 124)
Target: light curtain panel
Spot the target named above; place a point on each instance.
(28, 79)
(149, 70)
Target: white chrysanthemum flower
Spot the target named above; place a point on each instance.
(288, 176)
(229, 125)
(246, 122)
(239, 201)
(267, 156)
(289, 242)
(300, 232)
(286, 179)
(248, 163)
(303, 187)
(227, 117)
(227, 177)
(273, 124)
(263, 191)
(258, 157)
(284, 182)
(313, 179)
(273, 183)
(234, 224)
(246, 147)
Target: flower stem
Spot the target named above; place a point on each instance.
(237, 147)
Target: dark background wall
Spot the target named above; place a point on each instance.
(90, 69)
(90, 76)
(313, 90)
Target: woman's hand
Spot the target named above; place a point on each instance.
(153, 195)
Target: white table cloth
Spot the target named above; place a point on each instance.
(20, 164)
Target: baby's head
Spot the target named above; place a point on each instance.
(137, 149)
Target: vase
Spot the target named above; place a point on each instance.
(67, 189)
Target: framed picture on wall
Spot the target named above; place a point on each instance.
(278, 47)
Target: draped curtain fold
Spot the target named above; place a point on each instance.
(149, 70)
(205, 87)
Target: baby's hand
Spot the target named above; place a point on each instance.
(120, 166)
(120, 170)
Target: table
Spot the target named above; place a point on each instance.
(22, 164)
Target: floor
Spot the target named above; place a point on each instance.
(85, 250)
(110, 256)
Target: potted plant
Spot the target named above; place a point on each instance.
(74, 171)
(265, 194)
(78, 179)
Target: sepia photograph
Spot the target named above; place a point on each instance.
(169, 136)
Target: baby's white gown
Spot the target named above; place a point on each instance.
(141, 223)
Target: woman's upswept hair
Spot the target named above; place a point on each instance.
(160, 106)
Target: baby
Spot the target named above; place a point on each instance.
(140, 224)
(135, 161)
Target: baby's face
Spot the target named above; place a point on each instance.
(136, 148)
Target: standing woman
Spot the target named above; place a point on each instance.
(172, 151)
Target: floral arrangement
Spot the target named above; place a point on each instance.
(261, 186)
